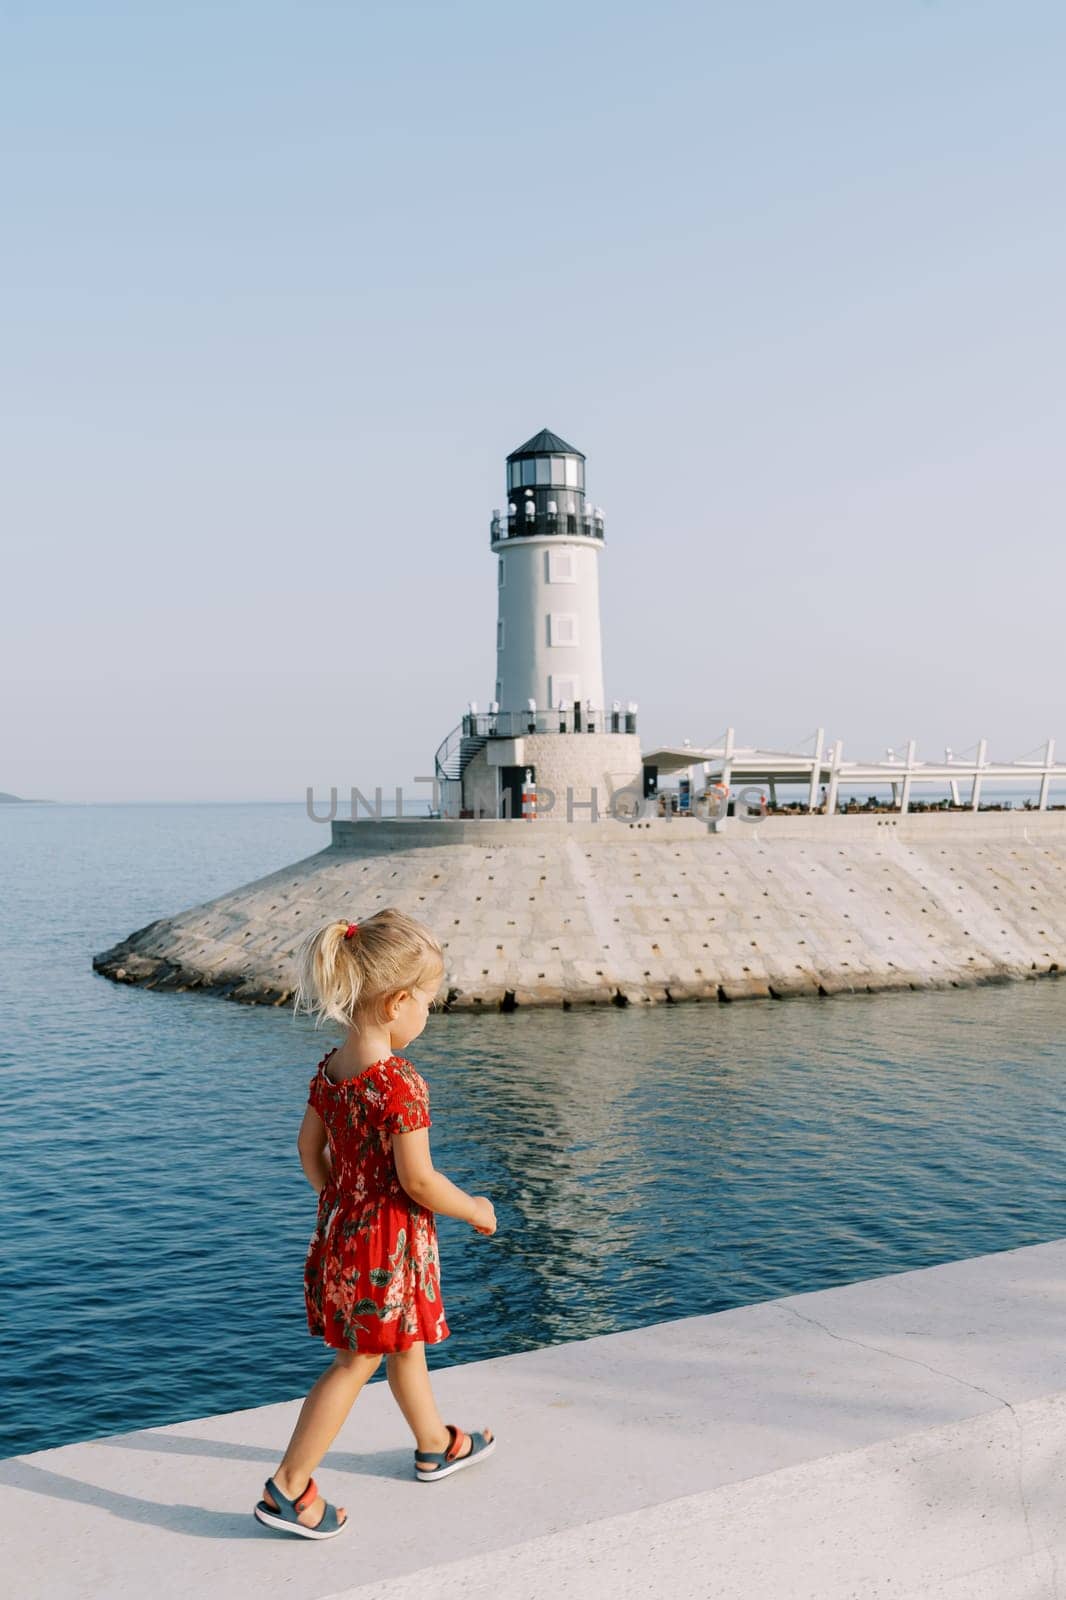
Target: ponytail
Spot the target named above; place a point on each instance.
(348, 969)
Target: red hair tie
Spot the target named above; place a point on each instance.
(351, 928)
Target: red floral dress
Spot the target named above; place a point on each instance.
(372, 1274)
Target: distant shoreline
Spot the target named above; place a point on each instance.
(19, 800)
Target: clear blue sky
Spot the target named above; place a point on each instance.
(285, 282)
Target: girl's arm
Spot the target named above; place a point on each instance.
(313, 1145)
(423, 1184)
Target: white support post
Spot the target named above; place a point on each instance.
(816, 770)
(905, 797)
(975, 792)
(955, 800)
(699, 784)
(727, 760)
(1045, 782)
(834, 778)
(695, 785)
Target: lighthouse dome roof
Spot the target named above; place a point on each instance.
(545, 443)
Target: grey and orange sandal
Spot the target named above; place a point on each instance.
(450, 1460)
(287, 1517)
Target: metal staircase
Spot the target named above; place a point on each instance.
(451, 761)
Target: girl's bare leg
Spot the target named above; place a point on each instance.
(321, 1418)
(408, 1378)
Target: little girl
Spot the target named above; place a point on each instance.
(371, 1279)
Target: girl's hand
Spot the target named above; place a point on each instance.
(484, 1218)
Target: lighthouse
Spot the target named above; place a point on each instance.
(548, 745)
(548, 545)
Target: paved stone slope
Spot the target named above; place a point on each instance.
(553, 914)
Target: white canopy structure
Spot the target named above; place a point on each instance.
(736, 765)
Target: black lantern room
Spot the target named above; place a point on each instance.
(546, 493)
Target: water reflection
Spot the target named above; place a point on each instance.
(658, 1164)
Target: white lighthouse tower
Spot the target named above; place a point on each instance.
(548, 731)
(548, 547)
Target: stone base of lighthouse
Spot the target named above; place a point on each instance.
(533, 914)
(583, 775)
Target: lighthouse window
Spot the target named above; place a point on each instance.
(558, 470)
(571, 472)
(562, 627)
(564, 691)
(499, 633)
(560, 566)
(529, 472)
(499, 572)
(544, 470)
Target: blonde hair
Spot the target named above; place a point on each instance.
(349, 979)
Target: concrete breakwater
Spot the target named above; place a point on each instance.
(559, 914)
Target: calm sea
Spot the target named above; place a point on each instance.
(644, 1165)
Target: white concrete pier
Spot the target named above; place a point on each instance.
(557, 914)
(900, 1437)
